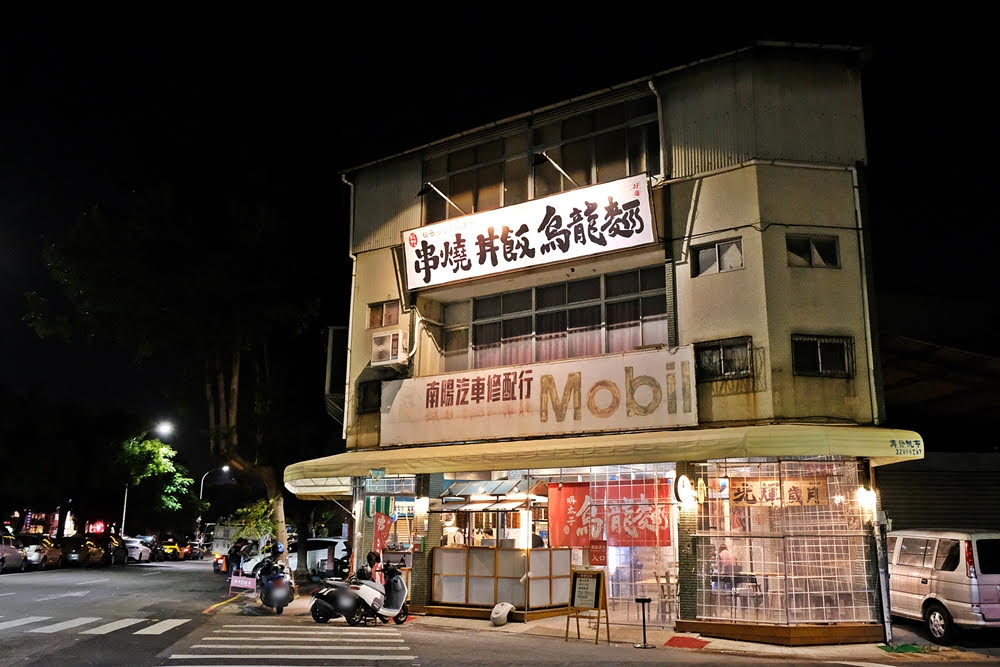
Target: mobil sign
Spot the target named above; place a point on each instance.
(648, 389)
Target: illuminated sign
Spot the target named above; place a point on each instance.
(579, 223)
(638, 390)
(684, 491)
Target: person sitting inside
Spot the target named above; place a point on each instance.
(536, 540)
(726, 569)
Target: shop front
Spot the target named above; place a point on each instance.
(752, 531)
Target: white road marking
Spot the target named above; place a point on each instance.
(331, 640)
(111, 627)
(306, 648)
(162, 626)
(149, 574)
(77, 594)
(66, 625)
(23, 621)
(92, 581)
(6, 594)
(285, 656)
(391, 633)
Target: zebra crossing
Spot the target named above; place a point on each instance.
(75, 625)
(294, 643)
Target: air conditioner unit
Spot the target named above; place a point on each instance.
(389, 347)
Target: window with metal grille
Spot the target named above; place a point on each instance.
(823, 356)
(724, 359)
(717, 257)
(813, 251)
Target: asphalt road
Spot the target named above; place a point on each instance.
(103, 616)
(153, 614)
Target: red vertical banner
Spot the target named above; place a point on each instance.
(598, 552)
(383, 524)
(569, 514)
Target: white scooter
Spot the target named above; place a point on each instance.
(362, 599)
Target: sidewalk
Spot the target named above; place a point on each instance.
(622, 634)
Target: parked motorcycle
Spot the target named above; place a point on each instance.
(359, 599)
(275, 586)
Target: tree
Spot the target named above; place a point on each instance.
(208, 278)
(257, 520)
(153, 459)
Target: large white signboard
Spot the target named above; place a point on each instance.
(586, 221)
(639, 390)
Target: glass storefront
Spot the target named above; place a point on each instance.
(630, 509)
(784, 541)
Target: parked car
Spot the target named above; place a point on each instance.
(12, 555)
(41, 550)
(81, 551)
(171, 549)
(317, 551)
(949, 579)
(155, 548)
(138, 550)
(113, 548)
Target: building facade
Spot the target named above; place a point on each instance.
(637, 324)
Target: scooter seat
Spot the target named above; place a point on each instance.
(374, 584)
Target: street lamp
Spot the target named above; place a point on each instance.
(201, 492)
(163, 428)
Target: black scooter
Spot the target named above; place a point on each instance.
(275, 586)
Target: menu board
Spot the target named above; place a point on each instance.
(586, 587)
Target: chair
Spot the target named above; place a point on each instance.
(667, 601)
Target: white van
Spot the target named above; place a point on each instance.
(947, 578)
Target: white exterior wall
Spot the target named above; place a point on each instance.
(376, 282)
(817, 301)
(723, 305)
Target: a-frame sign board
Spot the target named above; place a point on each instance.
(588, 592)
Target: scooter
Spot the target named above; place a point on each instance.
(274, 585)
(359, 599)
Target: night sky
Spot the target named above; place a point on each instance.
(283, 103)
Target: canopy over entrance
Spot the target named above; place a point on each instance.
(331, 476)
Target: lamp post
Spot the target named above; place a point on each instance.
(201, 491)
(163, 428)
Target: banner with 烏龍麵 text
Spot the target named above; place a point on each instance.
(583, 222)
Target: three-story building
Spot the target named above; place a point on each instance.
(629, 330)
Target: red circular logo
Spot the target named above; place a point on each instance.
(413, 240)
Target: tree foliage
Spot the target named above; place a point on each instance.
(154, 460)
(257, 520)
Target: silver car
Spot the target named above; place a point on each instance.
(947, 578)
(12, 556)
(42, 552)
